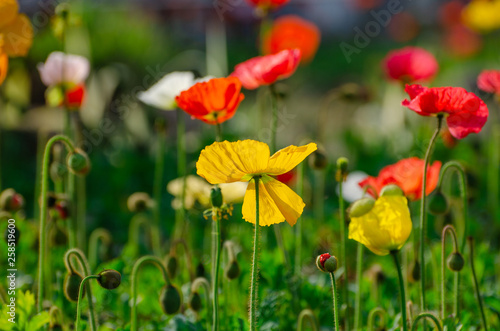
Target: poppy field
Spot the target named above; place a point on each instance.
(250, 165)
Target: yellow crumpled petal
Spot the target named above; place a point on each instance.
(277, 203)
(384, 228)
(227, 162)
(8, 11)
(288, 158)
(17, 36)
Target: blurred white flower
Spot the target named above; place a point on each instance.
(64, 68)
(350, 188)
(162, 94)
(198, 191)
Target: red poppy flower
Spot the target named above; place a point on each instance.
(75, 96)
(407, 174)
(267, 4)
(213, 101)
(267, 69)
(466, 113)
(489, 81)
(410, 64)
(287, 178)
(290, 32)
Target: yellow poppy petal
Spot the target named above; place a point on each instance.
(268, 211)
(289, 203)
(227, 162)
(288, 158)
(4, 66)
(17, 36)
(8, 11)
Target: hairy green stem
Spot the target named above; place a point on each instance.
(255, 262)
(377, 311)
(80, 295)
(157, 190)
(215, 288)
(359, 271)
(180, 213)
(470, 240)
(343, 252)
(401, 289)
(307, 315)
(451, 230)
(134, 276)
(335, 302)
(423, 211)
(42, 251)
(424, 316)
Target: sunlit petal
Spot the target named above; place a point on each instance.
(288, 158)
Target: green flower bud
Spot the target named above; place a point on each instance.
(361, 207)
(342, 164)
(455, 261)
(200, 270)
(415, 272)
(109, 279)
(72, 286)
(78, 162)
(438, 204)
(216, 197)
(232, 270)
(170, 299)
(139, 201)
(326, 263)
(11, 201)
(391, 190)
(172, 265)
(195, 301)
(317, 160)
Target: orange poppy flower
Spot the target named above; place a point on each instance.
(290, 32)
(213, 101)
(4, 66)
(15, 29)
(407, 174)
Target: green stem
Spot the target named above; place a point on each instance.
(255, 264)
(138, 220)
(81, 206)
(401, 289)
(451, 230)
(298, 225)
(423, 316)
(202, 282)
(218, 132)
(80, 294)
(135, 270)
(85, 271)
(423, 212)
(215, 288)
(157, 190)
(41, 140)
(377, 311)
(494, 165)
(307, 314)
(359, 271)
(476, 283)
(180, 213)
(42, 251)
(335, 303)
(99, 234)
(343, 252)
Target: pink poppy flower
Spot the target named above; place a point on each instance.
(489, 81)
(410, 64)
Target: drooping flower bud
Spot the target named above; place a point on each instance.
(109, 279)
(342, 164)
(361, 207)
(170, 299)
(11, 201)
(195, 301)
(438, 204)
(318, 160)
(455, 261)
(139, 201)
(172, 265)
(200, 270)
(72, 286)
(326, 262)
(216, 197)
(78, 162)
(232, 270)
(415, 272)
(391, 190)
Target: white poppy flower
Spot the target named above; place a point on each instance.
(64, 68)
(350, 188)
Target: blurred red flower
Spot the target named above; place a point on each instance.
(267, 69)
(462, 42)
(465, 112)
(290, 32)
(489, 81)
(410, 64)
(267, 4)
(213, 101)
(408, 175)
(287, 178)
(75, 96)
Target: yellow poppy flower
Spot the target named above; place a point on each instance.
(15, 29)
(482, 16)
(4, 65)
(241, 161)
(385, 228)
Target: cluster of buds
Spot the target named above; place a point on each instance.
(219, 209)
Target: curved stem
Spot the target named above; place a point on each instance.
(423, 211)
(99, 234)
(401, 289)
(202, 282)
(359, 271)
(343, 252)
(42, 251)
(377, 311)
(255, 264)
(335, 302)
(138, 220)
(215, 288)
(173, 252)
(180, 213)
(476, 283)
(307, 314)
(80, 294)
(451, 230)
(135, 270)
(428, 316)
(157, 190)
(85, 271)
